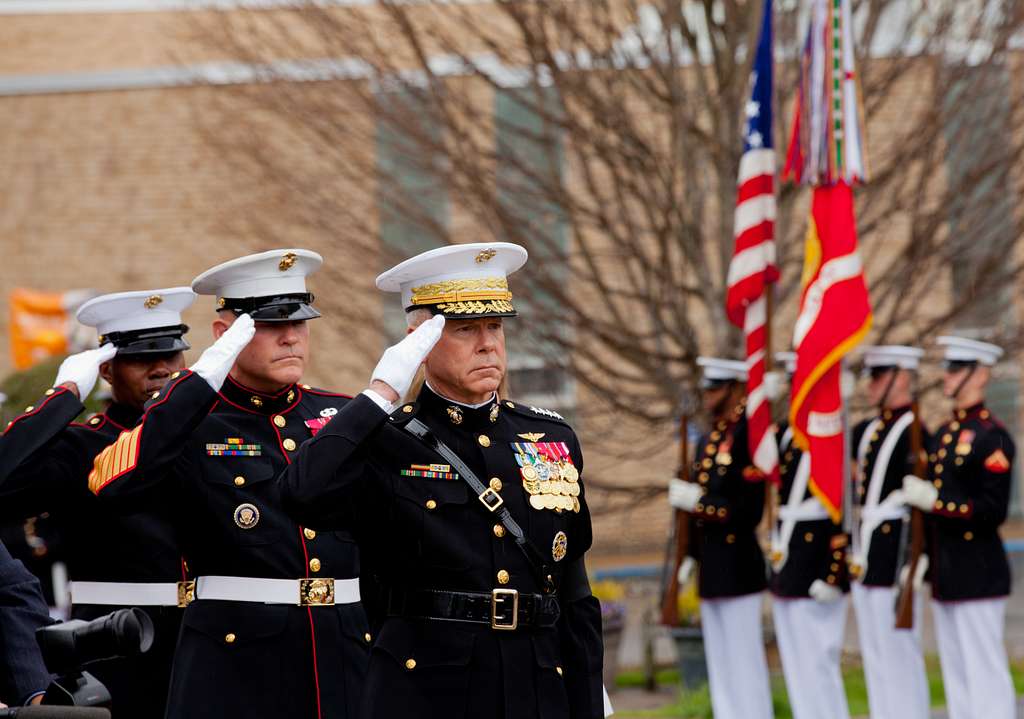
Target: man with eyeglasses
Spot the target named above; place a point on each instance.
(967, 495)
(893, 659)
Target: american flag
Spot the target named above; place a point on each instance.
(753, 262)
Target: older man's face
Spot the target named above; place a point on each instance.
(468, 362)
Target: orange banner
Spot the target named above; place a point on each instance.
(39, 326)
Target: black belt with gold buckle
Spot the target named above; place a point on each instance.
(501, 609)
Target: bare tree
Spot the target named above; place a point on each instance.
(613, 155)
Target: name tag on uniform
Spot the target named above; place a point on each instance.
(234, 447)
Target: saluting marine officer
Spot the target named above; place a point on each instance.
(469, 510)
(893, 659)
(726, 504)
(967, 494)
(809, 583)
(114, 559)
(276, 627)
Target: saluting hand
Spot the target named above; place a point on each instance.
(399, 363)
(79, 372)
(217, 360)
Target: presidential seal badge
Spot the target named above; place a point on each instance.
(559, 546)
(246, 516)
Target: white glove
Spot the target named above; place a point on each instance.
(685, 572)
(919, 493)
(217, 360)
(83, 369)
(822, 591)
(684, 495)
(399, 363)
(922, 569)
(773, 382)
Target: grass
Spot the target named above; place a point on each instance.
(696, 704)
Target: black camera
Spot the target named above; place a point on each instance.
(68, 646)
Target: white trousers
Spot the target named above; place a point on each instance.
(893, 660)
(810, 637)
(975, 671)
(734, 648)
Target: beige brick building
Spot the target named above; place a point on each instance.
(109, 180)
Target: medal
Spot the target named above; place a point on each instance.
(537, 501)
(575, 505)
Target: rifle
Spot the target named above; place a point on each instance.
(905, 598)
(681, 534)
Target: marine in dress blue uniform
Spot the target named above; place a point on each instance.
(276, 627)
(726, 505)
(114, 559)
(809, 584)
(893, 658)
(967, 495)
(468, 625)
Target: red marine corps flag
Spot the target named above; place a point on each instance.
(753, 268)
(835, 312)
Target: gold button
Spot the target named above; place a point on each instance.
(410, 664)
(559, 670)
(368, 638)
(954, 426)
(94, 420)
(699, 507)
(809, 537)
(279, 420)
(499, 531)
(239, 481)
(314, 564)
(431, 504)
(938, 504)
(230, 638)
(710, 509)
(730, 539)
(484, 440)
(937, 483)
(947, 438)
(49, 392)
(834, 567)
(510, 405)
(939, 469)
(964, 509)
(830, 579)
(951, 506)
(721, 512)
(958, 461)
(495, 484)
(30, 407)
(176, 375)
(155, 395)
(308, 533)
(932, 457)
(407, 409)
(503, 577)
(837, 555)
(968, 536)
(289, 444)
(886, 529)
(942, 453)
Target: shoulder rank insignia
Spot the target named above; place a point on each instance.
(547, 413)
(316, 424)
(430, 471)
(997, 462)
(234, 447)
(531, 436)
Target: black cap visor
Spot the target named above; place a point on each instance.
(953, 366)
(280, 308)
(152, 341)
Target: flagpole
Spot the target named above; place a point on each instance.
(848, 499)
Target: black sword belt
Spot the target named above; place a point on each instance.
(501, 609)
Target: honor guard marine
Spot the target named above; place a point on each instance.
(276, 627)
(469, 509)
(114, 559)
(809, 584)
(893, 659)
(967, 495)
(726, 504)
